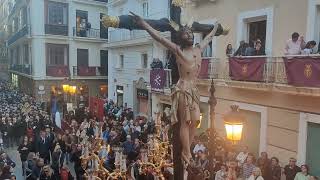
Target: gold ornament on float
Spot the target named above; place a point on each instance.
(178, 3)
(110, 21)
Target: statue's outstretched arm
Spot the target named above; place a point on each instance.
(204, 43)
(155, 35)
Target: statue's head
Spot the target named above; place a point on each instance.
(185, 36)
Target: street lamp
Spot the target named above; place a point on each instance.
(73, 89)
(65, 88)
(233, 122)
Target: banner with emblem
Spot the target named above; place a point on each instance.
(157, 79)
(247, 69)
(303, 71)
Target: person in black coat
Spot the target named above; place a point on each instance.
(75, 157)
(43, 147)
(24, 149)
(5, 159)
(48, 174)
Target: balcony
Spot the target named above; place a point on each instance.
(56, 29)
(125, 35)
(89, 33)
(58, 71)
(19, 34)
(85, 71)
(294, 75)
(22, 68)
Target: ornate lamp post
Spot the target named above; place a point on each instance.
(233, 122)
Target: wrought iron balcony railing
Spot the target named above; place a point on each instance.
(89, 33)
(19, 34)
(89, 71)
(22, 68)
(56, 29)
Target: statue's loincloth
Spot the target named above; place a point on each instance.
(191, 96)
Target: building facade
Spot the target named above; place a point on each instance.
(282, 119)
(131, 53)
(58, 42)
(5, 8)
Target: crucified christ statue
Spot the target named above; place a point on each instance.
(185, 96)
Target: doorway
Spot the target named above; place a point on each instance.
(313, 148)
(257, 30)
(251, 131)
(119, 96)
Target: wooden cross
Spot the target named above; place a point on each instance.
(163, 25)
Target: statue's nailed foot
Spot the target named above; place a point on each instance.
(187, 160)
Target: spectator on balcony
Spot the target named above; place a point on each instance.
(259, 50)
(250, 51)
(241, 50)
(275, 169)
(304, 174)
(291, 169)
(229, 50)
(309, 48)
(156, 64)
(295, 45)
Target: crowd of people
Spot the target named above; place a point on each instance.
(48, 152)
(253, 48)
(85, 145)
(296, 45)
(229, 164)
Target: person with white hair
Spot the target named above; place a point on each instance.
(256, 174)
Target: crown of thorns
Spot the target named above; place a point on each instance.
(178, 27)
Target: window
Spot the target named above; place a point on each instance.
(26, 54)
(57, 13)
(83, 57)
(11, 56)
(121, 63)
(82, 21)
(17, 54)
(144, 60)
(57, 54)
(257, 30)
(23, 17)
(145, 9)
(104, 62)
(15, 24)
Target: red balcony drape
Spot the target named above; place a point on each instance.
(204, 69)
(247, 69)
(303, 71)
(58, 71)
